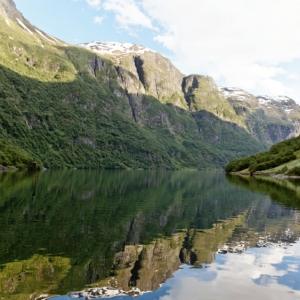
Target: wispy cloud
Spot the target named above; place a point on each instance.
(98, 20)
(128, 15)
(94, 3)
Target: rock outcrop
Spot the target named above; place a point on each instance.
(8, 8)
(143, 71)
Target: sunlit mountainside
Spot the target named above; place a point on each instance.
(120, 105)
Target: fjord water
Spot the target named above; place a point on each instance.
(152, 234)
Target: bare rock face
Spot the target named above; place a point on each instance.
(201, 93)
(195, 81)
(8, 9)
(160, 78)
(143, 71)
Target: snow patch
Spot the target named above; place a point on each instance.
(7, 22)
(115, 48)
(264, 98)
(40, 43)
(238, 94)
(56, 40)
(24, 26)
(43, 36)
(288, 110)
(263, 101)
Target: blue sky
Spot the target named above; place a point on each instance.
(75, 21)
(249, 44)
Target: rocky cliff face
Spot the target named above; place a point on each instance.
(143, 71)
(202, 94)
(8, 9)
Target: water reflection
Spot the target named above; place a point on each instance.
(125, 233)
(256, 273)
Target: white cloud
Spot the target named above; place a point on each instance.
(293, 76)
(98, 20)
(241, 42)
(128, 15)
(94, 3)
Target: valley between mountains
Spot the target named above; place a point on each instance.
(120, 105)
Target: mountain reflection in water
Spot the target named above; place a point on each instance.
(124, 233)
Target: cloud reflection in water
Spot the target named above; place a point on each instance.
(260, 273)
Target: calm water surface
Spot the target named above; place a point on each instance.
(152, 234)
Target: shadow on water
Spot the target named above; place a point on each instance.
(283, 191)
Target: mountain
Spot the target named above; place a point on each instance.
(143, 71)
(119, 105)
(271, 119)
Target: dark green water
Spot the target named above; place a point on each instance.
(63, 231)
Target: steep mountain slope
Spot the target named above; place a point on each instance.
(269, 119)
(117, 106)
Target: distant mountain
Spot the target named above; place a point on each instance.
(271, 119)
(120, 105)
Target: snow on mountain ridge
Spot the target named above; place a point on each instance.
(115, 48)
(275, 98)
(239, 94)
(269, 102)
(263, 99)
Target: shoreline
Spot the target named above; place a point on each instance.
(274, 175)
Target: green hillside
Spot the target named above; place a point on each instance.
(282, 158)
